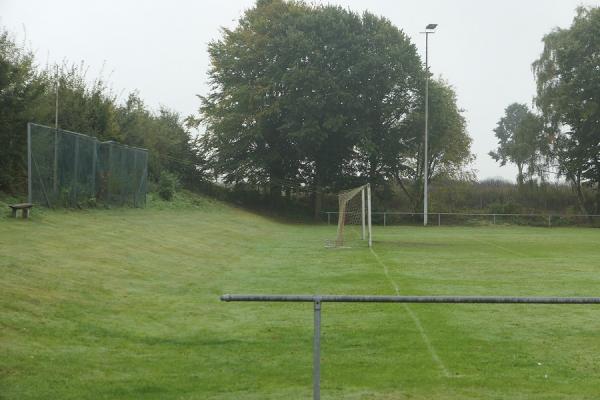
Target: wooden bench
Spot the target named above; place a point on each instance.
(24, 207)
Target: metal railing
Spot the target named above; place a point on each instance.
(317, 300)
(493, 217)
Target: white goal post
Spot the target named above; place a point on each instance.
(354, 216)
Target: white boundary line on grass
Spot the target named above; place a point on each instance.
(415, 319)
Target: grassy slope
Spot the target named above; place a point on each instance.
(123, 304)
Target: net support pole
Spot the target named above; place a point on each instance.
(94, 157)
(29, 177)
(317, 351)
(362, 212)
(369, 214)
(55, 166)
(75, 171)
(109, 173)
(135, 194)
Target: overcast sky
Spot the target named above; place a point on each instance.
(483, 48)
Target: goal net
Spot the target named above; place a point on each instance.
(354, 217)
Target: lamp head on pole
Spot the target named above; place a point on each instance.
(431, 27)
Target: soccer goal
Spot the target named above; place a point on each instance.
(354, 217)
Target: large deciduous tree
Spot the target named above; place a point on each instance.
(316, 95)
(568, 93)
(449, 143)
(247, 137)
(521, 141)
(390, 83)
(21, 89)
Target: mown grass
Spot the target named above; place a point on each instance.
(123, 304)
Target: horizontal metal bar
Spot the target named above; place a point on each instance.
(412, 299)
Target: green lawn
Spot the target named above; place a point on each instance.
(124, 304)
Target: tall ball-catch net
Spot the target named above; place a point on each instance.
(354, 217)
(69, 169)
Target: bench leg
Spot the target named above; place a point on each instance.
(14, 213)
(25, 213)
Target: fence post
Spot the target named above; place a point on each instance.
(439, 219)
(317, 351)
(494, 219)
(328, 218)
(549, 221)
(384, 218)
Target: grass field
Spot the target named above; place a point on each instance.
(123, 304)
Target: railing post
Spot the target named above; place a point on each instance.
(328, 218)
(494, 219)
(439, 219)
(384, 215)
(317, 351)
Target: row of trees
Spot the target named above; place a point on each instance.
(303, 97)
(323, 98)
(318, 98)
(565, 133)
(28, 92)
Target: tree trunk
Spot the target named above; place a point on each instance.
(317, 194)
(597, 210)
(405, 190)
(520, 174)
(419, 197)
(597, 205)
(580, 196)
(318, 203)
(274, 193)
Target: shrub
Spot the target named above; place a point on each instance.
(505, 208)
(168, 184)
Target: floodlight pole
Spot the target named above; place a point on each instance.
(428, 29)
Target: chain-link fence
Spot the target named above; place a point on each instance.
(69, 169)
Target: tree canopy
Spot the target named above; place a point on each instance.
(521, 141)
(449, 143)
(568, 94)
(27, 94)
(320, 96)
